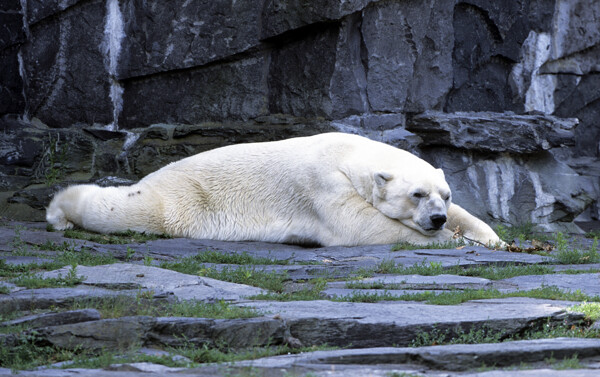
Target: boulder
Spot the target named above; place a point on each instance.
(493, 132)
(159, 281)
(535, 189)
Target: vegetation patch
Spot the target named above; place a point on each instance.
(401, 246)
(593, 234)
(249, 275)
(521, 232)
(36, 281)
(143, 305)
(217, 257)
(311, 292)
(426, 268)
(567, 253)
(27, 352)
(591, 310)
(459, 296)
(114, 238)
(487, 334)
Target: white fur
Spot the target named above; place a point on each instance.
(330, 189)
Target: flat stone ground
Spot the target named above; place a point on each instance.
(339, 311)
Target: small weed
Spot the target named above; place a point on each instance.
(458, 297)
(521, 232)
(129, 254)
(591, 310)
(210, 256)
(572, 254)
(4, 290)
(488, 334)
(14, 270)
(84, 257)
(457, 336)
(272, 281)
(249, 275)
(36, 281)
(142, 304)
(566, 363)
(499, 273)
(106, 359)
(148, 260)
(18, 246)
(425, 268)
(55, 158)
(313, 292)
(593, 234)
(207, 354)
(387, 266)
(26, 352)
(435, 245)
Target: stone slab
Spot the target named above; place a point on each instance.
(586, 283)
(44, 298)
(384, 324)
(423, 282)
(54, 319)
(182, 286)
(449, 357)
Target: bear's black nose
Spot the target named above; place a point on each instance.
(438, 221)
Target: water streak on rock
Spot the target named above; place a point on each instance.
(113, 36)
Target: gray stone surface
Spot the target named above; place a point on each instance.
(368, 325)
(451, 358)
(55, 319)
(588, 284)
(125, 276)
(492, 132)
(373, 331)
(535, 189)
(44, 298)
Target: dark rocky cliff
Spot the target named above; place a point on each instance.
(484, 89)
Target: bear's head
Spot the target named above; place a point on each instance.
(419, 201)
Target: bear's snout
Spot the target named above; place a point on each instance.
(437, 221)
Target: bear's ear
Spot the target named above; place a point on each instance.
(441, 172)
(381, 178)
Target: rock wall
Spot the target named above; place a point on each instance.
(95, 88)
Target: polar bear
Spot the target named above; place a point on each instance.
(329, 189)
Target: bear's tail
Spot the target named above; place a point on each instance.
(67, 207)
(106, 209)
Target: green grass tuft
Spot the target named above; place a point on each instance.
(36, 281)
(459, 296)
(210, 256)
(114, 238)
(572, 254)
(143, 305)
(435, 245)
(591, 310)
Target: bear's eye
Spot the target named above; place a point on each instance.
(446, 197)
(418, 195)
